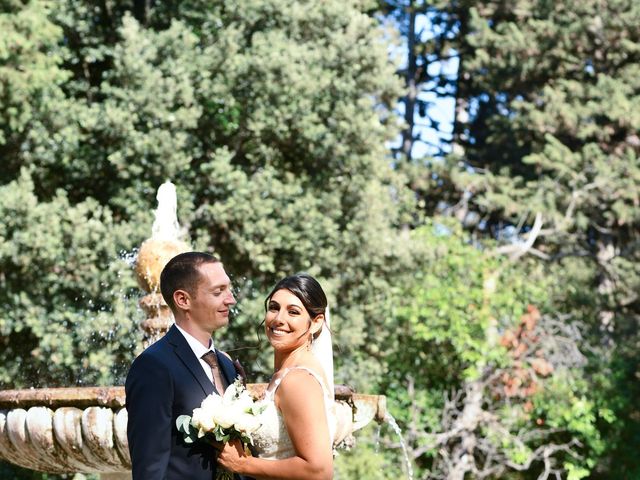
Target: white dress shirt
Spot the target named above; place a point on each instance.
(199, 350)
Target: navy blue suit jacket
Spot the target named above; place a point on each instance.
(164, 382)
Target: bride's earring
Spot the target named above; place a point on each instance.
(310, 344)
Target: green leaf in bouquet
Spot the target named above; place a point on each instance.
(183, 423)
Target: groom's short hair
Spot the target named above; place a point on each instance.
(181, 273)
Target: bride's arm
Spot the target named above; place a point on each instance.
(300, 399)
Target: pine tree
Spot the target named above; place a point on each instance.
(545, 160)
(550, 152)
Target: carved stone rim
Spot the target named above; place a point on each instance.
(113, 397)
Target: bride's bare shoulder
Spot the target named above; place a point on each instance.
(300, 378)
(298, 386)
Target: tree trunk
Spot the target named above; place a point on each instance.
(461, 112)
(412, 89)
(462, 456)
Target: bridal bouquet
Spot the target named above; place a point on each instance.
(223, 418)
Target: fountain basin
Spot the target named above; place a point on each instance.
(84, 429)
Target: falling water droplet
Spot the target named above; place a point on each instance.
(396, 428)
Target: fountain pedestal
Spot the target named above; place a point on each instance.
(152, 257)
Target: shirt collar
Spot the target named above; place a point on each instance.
(198, 349)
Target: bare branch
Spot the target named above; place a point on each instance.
(517, 250)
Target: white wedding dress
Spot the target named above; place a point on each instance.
(271, 440)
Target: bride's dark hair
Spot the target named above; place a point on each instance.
(306, 288)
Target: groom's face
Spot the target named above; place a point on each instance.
(209, 307)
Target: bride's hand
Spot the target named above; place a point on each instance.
(231, 455)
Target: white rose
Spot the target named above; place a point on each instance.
(230, 394)
(247, 423)
(212, 402)
(202, 420)
(236, 411)
(223, 417)
(244, 402)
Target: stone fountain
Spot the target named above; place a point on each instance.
(84, 429)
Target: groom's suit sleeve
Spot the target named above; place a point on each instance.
(149, 396)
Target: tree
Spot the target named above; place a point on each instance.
(548, 161)
(29, 78)
(485, 379)
(429, 30)
(272, 124)
(270, 116)
(58, 259)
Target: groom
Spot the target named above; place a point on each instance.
(171, 378)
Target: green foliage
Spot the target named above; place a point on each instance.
(546, 123)
(370, 458)
(30, 76)
(65, 318)
(270, 117)
(449, 319)
(262, 115)
(556, 133)
(456, 301)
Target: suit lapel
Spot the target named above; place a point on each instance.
(188, 358)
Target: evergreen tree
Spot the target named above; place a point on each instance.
(549, 149)
(545, 159)
(269, 116)
(430, 31)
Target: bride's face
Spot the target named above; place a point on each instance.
(288, 323)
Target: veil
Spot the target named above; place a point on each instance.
(322, 349)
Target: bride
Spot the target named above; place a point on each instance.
(298, 424)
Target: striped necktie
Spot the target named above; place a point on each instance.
(218, 380)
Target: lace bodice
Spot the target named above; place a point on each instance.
(272, 441)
